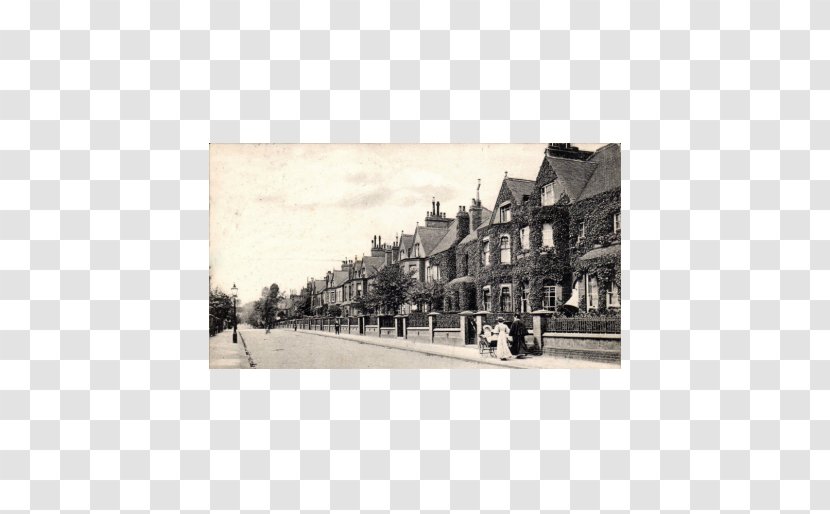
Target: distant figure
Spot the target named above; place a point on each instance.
(336, 327)
(268, 328)
(295, 327)
(518, 331)
(502, 346)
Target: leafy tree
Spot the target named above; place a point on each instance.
(430, 295)
(303, 307)
(391, 287)
(266, 308)
(366, 303)
(335, 310)
(221, 308)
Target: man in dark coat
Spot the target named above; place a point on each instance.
(518, 331)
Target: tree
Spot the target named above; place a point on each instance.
(391, 287)
(303, 307)
(366, 303)
(430, 295)
(335, 310)
(221, 309)
(266, 308)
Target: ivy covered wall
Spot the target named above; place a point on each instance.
(539, 266)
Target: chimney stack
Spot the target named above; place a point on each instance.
(463, 224)
(433, 205)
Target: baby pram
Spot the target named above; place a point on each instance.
(487, 342)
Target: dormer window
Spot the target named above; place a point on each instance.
(547, 194)
(504, 214)
(417, 250)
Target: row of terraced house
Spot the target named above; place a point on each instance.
(543, 244)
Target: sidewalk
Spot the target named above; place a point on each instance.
(467, 352)
(223, 354)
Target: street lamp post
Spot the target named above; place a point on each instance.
(234, 291)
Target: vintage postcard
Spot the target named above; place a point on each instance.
(415, 256)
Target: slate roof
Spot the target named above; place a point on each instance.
(339, 277)
(572, 174)
(449, 238)
(430, 237)
(585, 178)
(372, 264)
(607, 175)
(319, 285)
(406, 241)
(520, 187)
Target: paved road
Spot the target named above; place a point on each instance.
(289, 349)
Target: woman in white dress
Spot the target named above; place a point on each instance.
(502, 332)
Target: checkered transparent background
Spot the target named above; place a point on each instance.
(106, 400)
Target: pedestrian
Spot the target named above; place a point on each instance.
(502, 345)
(518, 331)
(295, 326)
(337, 327)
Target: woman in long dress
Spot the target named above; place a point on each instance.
(502, 345)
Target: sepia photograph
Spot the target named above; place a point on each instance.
(415, 256)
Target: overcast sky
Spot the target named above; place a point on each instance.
(281, 213)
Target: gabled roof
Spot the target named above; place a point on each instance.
(583, 178)
(518, 187)
(339, 277)
(607, 175)
(372, 264)
(572, 174)
(319, 285)
(447, 241)
(429, 238)
(406, 241)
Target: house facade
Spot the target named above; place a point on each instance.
(547, 242)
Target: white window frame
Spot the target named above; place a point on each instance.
(505, 208)
(580, 234)
(486, 298)
(524, 298)
(545, 304)
(547, 229)
(613, 293)
(617, 223)
(524, 237)
(417, 250)
(502, 249)
(509, 288)
(591, 293)
(485, 252)
(547, 194)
